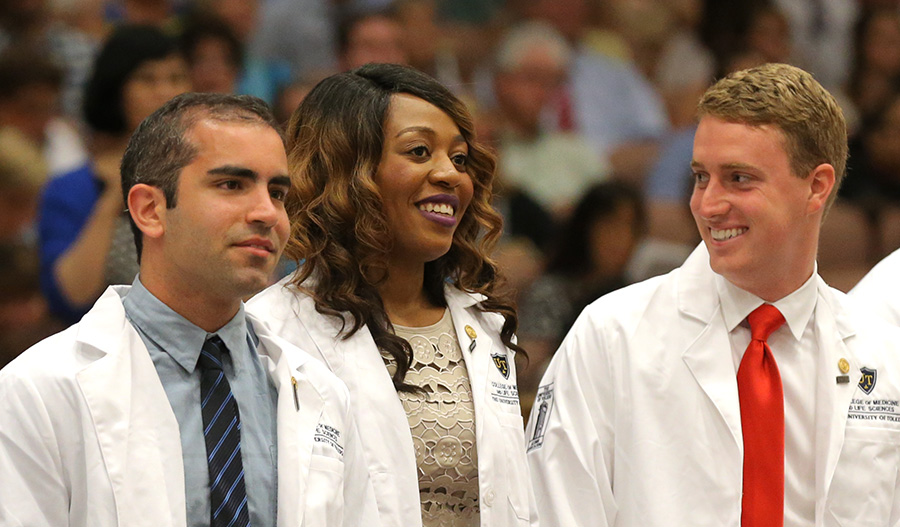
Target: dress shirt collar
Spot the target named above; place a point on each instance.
(797, 307)
(176, 335)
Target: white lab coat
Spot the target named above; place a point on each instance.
(88, 438)
(505, 496)
(637, 422)
(879, 290)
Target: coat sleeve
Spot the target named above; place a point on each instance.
(360, 508)
(34, 492)
(570, 433)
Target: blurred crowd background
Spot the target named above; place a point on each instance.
(589, 105)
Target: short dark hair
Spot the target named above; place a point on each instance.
(159, 149)
(125, 50)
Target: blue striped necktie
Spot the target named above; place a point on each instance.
(222, 430)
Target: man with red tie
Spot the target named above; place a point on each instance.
(739, 390)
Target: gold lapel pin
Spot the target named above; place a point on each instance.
(844, 366)
(471, 333)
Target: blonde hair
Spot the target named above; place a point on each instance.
(792, 100)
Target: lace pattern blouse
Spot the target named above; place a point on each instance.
(442, 421)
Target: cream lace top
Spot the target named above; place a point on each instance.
(442, 421)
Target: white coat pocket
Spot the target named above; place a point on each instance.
(516, 470)
(325, 492)
(863, 487)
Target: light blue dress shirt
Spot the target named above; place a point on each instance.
(174, 345)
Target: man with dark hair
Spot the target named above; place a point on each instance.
(168, 404)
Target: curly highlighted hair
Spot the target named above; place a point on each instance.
(340, 234)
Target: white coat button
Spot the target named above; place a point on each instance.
(488, 498)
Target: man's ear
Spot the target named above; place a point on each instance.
(821, 182)
(147, 206)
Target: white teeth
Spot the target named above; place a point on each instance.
(726, 234)
(440, 208)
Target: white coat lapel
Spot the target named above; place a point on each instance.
(135, 426)
(365, 365)
(300, 408)
(388, 443)
(833, 399)
(708, 353)
(476, 344)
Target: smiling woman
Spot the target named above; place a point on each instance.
(391, 212)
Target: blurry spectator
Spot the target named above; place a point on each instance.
(608, 101)
(214, 55)
(85, 238)
(292, 95)
(554, 167)
(594, 249)
(375, 36)
(298, 32)
(30, 87)
(148, 12)
(259, 76)
(874, 164)
(821, 34)
(23, 312)
(685, 67)
(427, 46)
(22, 173)
(723, 26)
(29, 23)
(24, 319)
(876, 68)
(668, 190)
(85, 16)
(770, 35)
(163, 14)
(29, 91)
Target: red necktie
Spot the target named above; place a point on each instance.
(762, 422)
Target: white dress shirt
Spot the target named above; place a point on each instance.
(795, 350)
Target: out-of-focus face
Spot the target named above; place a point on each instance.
(241, 15)
(229, 226)
(770, 34)
(375, 39)
(423, 180)
(211, 68)
(883, 144)
(613, 240)
(881, 44)
(152, 84)
(31, 110)
(525, 91)
(758, 220)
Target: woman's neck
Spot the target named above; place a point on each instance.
(404, 298)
